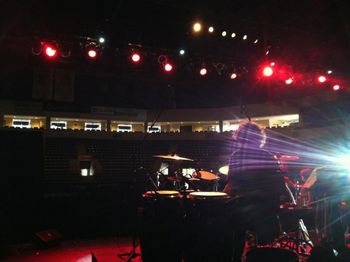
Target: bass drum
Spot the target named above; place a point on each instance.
(161, 226)
(208, 228)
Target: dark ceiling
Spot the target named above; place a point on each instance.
(305, 36)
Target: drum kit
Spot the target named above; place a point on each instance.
(186, 221)
(186, 217)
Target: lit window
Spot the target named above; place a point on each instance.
(153, 129)
(124, 128)
(21, 123)
(58, 125)
(93, 126)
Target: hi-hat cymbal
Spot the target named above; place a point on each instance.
(224, 170)
(173, 157)
(205, 175)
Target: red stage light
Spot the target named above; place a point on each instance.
(289, 81)
(50, 51)
(336, 87)
(135, 57)
(267, 71)
(168, 67)
(92, 53)
(321, 79)
(233, 76)
(203, 71)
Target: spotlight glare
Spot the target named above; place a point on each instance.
(182, 52)
(336, 87)
(224, 33)
(203, 71)
(267, 52)
(211, 29)
(168, 67)
(256, 41)
(233, 35)
(101, 40)
(197, 27)
(135, 57)
(329, 72)
(245, 37)
(233, 76)
(267, 71)
(321, 79)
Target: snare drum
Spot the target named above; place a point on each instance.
(209, 233)
(160, 226)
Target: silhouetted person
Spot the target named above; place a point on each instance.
(255, 182)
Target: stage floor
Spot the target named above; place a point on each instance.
(104, 250)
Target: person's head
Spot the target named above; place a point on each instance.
(250, 134)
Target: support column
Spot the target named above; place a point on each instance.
(109, 125)
(145, 125)
(2, 120)
(47, 122)
(221, 126)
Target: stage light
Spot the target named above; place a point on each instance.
(50, 50)
(233, 35)
(289, 81)
(267, 71)
(233, 76)
(101, 40)
(211, 29)
(197, 27)
(256, 41)
(329, 72)
(272, 64)
(182, 52)
(135, 57)
(245, 37)
(267, 52)
(224, 33)
(168, 67)
(203, 71)
(92, 53)
(321, 79)
(343, 161)
(336, 87)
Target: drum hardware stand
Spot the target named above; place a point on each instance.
(297, 244)
(133, 254)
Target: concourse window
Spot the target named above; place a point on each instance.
(92, 126)
(58, 125)
(124, 128)
(21, 123)
(153, 129)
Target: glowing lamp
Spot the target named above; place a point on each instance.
(50, 51)
(92, 53)
(135, 57)
(321, 79)
(233, 76)
(289, 81)
(336, 87)
(168, 67)
(203, 71)
(197, 27)
(267, 71)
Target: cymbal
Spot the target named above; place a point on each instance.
(205, 175)
(173, 157)
(224, 170)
